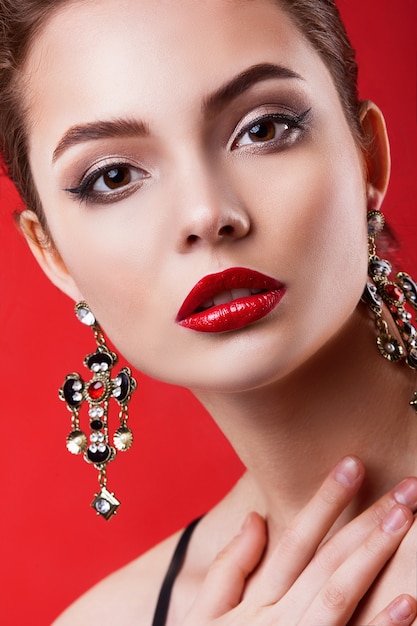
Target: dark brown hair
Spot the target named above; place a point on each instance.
(22, 20)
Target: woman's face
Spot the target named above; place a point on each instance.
(195, 137)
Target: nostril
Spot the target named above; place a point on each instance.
(192, 238)
(226, 230)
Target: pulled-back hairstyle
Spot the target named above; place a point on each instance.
(22, 20)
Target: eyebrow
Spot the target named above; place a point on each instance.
(213, 103)
(244, 81)
(99, 130)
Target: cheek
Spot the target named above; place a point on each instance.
(315, 211)
(314, 227)
(331, 240)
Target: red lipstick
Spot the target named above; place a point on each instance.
(229, 300)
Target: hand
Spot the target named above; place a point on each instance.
(302, 583)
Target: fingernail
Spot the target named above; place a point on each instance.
(401, 609)
(406, 493)
(395, 520)
(347, 471)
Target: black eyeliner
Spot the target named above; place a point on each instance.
(293, 121)
(84, 189)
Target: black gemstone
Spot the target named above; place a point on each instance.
(68, 392)
(124, 386)
(99, 357)
(370, 295)
(412, 359)
(96, 424)
(410, 289)
(380, 266)
(99, 457)
(409, 329)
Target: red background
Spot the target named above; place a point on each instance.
(52, 545)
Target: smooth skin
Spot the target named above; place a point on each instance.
(303, 582)
(294, 392)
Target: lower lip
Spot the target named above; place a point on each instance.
(235, 314)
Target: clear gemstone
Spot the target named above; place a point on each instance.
(93, 448)
(85, 316)
(94, 438)
(95, 367)
(375, 224)
(104, 367)
(117, 392)
(77, 385)
(101, 447)
(77, 396)
(102, 506)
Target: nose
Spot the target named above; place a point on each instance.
(211, 215)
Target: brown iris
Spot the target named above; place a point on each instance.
(117, 177)
(263, 131)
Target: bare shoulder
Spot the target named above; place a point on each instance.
(127, 597)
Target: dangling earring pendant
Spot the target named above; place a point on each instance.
(400, 297)
(96, 394)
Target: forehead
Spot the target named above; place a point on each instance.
(115, 57)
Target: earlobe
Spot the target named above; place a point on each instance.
(47, 255)
(376, 153)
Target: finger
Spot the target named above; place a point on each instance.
(402, 611)
(344, 543)
(339, 597)
(299, 542)
(352, 534)
(335, 551)
(223, 586)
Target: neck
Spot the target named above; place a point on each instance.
(347, 400)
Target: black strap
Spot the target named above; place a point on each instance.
(162, 605)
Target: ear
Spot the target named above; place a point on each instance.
(47, 255)
(376, 153)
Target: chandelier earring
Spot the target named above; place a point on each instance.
(399, 294)
(95, 395)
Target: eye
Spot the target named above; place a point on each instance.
(265, 130)
(109, 183)
(114, 179)
(276, 129)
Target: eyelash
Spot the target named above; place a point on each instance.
(292, 124)
(85, 191)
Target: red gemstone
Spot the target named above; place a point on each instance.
(96, 390)
(394, 293)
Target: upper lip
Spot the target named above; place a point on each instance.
(232, 278)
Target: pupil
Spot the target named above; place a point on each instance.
(264, 131)
(116, 177)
